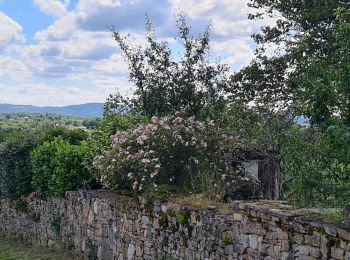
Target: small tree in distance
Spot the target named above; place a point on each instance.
(192, 85)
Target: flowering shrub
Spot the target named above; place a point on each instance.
(185, 154)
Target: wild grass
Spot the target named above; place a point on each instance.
(10, 250)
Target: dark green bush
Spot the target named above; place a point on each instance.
(318, 166)
(15, 168)
(73, 136)
(58, 166)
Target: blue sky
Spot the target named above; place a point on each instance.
(58, 52)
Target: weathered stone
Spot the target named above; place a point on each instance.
(347, 215)
(237, 216)
(281, 234)
(344, 234)
(100, 226)
(286, 245)
(299, 239)
(131, 251)
(253, 241)
(337, 253)
(287, 256)
(313, 240)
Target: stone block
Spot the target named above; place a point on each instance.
(313, 240)
(337, 253)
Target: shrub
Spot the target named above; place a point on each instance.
(58, 166)
(15, 168)
(73, 136)
(185, 154)
(318, 166)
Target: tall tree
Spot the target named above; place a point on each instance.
(305, 33)
(165, 84)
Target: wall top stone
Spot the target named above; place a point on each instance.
(105, 225)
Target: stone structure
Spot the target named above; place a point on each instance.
(101, 225)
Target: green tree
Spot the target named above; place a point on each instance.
(304, 32)
(325, 95)
(164, 85)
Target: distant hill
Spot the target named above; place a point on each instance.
(83, 110)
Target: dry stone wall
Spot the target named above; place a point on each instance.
(101, 225)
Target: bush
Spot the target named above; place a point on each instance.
(185, 154)
(318, 166)
(15, 168)
(58, 166)
(73, 136)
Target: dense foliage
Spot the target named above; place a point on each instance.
(58, 166)
(30, 121)
(15, 169)
(18, 167)
(306, 74)
(318, 166)
(301, 62)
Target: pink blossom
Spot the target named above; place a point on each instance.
(134, 185)
(142, 138)
(120, 137)
(155, 120)
(146, 161)
(211, 123)
(178, 120)
(164, 123)
(150, 128)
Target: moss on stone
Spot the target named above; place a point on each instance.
(20, 205)
(163, 220)
(227, 239)
(34, 216)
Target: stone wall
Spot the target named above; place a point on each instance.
(101, 225)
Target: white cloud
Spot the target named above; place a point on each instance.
(238, 53)
(10, 31)
(77, 49)
(13, 69)
(33, 93)
(231, 28)
(60, 30)
(125, 14)
(55, 8)
(229, 18)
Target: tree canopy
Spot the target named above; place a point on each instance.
(165, 85)
(310, 40)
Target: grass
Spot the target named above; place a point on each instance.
(201, 202)
(332, 215)
(10, 250)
